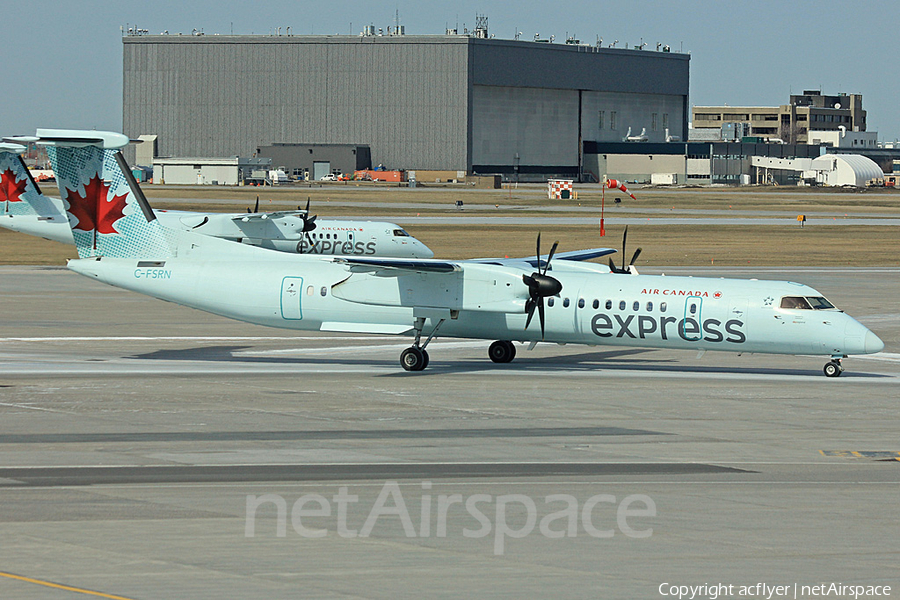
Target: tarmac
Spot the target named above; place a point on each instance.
(152, 451)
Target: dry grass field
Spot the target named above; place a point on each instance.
(782, 243)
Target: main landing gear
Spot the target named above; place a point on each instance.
(834, 368)
(415, 358)
(502, 351)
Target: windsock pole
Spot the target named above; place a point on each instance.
(602, 205)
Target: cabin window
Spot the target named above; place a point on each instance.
(565, 303)
(550, 302)
(596, 304)
(662, 307)
(609, 305)
(324, 291)
(310, 291)
(795, 302)
(649, 307)
(693, 309)
(636, 306)
(820, 303)
(581, 303)
(622, 305)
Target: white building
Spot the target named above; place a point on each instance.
(846, 169)
(845, 139)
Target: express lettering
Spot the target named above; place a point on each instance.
(335, 247)
(688, 329)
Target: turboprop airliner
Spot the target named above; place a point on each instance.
(492, 299)
(25, 209)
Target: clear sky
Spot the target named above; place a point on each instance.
(63, 59)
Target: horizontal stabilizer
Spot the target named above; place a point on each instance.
(108, 140)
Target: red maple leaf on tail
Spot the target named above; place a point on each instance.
(10, 189)
(94, 210)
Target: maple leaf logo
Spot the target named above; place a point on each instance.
(94, 211)
(10, 189)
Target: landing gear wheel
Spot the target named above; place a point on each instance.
(502, 352)
(414, 359)
(833, 369)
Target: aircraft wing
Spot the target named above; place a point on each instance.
(576, 255)
(395, 267)
(267, 215)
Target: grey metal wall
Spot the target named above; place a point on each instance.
(529, 64)
(406, 97)
(523, 127)
(419, 102)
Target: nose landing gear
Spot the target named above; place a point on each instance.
(834, 368)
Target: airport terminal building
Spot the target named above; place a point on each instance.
(465, 103)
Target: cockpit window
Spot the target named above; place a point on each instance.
(795, 302)
(820, 303)
(401, 233)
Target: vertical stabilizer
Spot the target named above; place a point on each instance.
(107, 211)
(19, 192)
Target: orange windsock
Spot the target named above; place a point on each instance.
(615, 184)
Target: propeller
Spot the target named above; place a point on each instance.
(540, 285)
(626, 269)
(309, 224)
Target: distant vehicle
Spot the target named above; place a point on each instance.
(328, 177)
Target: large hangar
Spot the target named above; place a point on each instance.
(444, 102)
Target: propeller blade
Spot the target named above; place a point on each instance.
(541, 314)
(309, 223)
(550, 256)
(529, 310)
(634, 256)
(256, 210)
(624, 238)
(538, 251)
(612, 266)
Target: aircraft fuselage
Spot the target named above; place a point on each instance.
(594, 308)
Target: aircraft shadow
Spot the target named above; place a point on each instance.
(626, 360)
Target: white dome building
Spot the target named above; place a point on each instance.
(845, 169)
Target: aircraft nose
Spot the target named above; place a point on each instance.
(426, 251)
(873, 343)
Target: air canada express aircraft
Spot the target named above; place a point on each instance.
(121, 242)
(24, 208)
